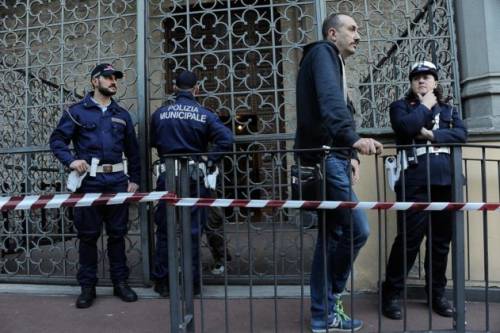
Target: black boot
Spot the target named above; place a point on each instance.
(162, 287)
(391, 307)
(197, 288)
(86, 297)
(122, 290)
(390, 304)
(442, 307)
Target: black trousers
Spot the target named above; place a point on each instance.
(436, 226)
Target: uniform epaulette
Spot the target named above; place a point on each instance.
(121, 108)
(75, 104)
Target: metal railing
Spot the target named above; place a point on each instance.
(267, 252)
(294, 284)
(40, 245)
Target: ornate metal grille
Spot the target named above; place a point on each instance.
(394, 34)
(47, 51)
(246, 54)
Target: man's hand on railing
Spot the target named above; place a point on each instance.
(368, 146)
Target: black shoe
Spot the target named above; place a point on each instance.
(122, 290)
(442, 307)
(196, 289)
(86, 297)
(391, 307)
(162, 287)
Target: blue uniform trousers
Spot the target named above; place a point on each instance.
(417, 227)
(88, 223)
(198, 218)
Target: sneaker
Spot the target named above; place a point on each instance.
(321, 328)
(218, 268)
(341, 322)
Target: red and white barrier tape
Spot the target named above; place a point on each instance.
(78, 200)
(96, 199)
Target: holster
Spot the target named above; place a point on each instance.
(306, 182)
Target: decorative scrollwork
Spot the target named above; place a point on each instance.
(246, 54)
(47, 50)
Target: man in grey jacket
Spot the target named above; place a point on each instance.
(325, 117)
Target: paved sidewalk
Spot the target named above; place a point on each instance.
(25, 308)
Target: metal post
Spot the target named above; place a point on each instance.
(458, 243)
(173, 276)
(142, 112)
(321, 14)
(187, 260)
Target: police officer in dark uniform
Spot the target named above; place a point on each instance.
(423, 117)
(101, 132)
(184, 127)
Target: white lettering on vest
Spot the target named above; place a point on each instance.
(183, 112)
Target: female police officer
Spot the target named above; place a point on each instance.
(423, 117)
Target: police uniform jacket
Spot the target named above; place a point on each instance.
(105, 136)
(187, 127)
(407, 119)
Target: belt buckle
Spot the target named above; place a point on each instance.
(107, 168)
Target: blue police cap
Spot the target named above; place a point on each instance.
(421, 67)
(105, 69)
(186, 80)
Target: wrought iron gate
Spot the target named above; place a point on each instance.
(246, 53)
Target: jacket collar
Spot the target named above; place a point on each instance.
(185, 94)
(326, 42)
(88, 103)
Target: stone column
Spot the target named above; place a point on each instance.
(478, 28)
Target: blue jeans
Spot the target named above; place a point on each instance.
(334, 239)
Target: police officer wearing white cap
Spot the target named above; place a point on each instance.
(423, 117)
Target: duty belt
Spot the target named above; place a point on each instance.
(432, 150)
(108, 168)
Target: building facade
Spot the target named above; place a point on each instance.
(246, 54)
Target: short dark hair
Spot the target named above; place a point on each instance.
(333, 20)
(186, 80)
